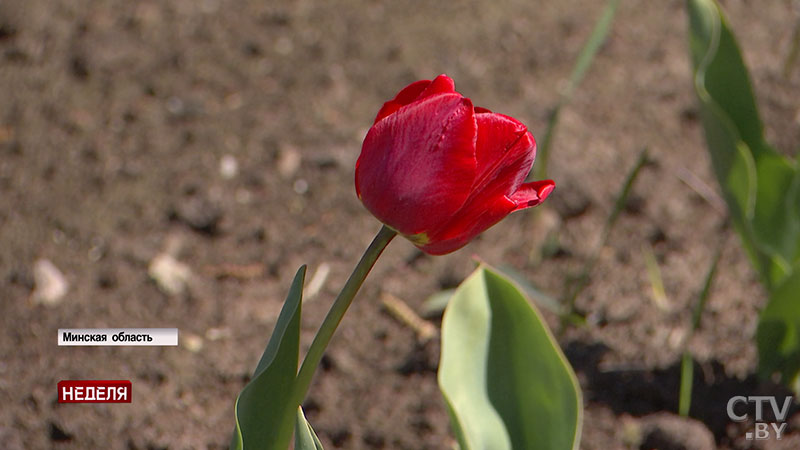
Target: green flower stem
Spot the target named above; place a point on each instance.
(337, 311)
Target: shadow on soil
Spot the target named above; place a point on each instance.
(639, 392)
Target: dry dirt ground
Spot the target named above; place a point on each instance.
(115, 119)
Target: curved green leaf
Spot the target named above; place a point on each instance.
(760, 186)
(776, 219)
(304, 436)
(506, 383)
(264, 410)
(778, 334)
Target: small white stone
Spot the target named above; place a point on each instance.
(171, 275)
(192, 342)
(300, 186)
(50, 285)
(228, 167)
(289, 162)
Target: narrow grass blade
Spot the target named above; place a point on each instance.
(687, 379)
(578, 284)
(794, 51)
(697, 312)
(592, 46)
(582, 64)
(687, 362)
(625, 192)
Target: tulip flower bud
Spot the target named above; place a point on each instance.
(440, 171)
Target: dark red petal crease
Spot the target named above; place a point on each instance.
(505, 152)
(501, 142)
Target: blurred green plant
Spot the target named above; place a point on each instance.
(687, 361)
(582, 64)
(760, 186)
(576, 284)
(659, 294)
(794, 51)
(506, 383)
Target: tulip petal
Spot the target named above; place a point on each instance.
(440, 85)
(416, 91)
(407, 95)
(473, 219)
(505, 152)
(418, 164)
(477, 216)
(532, 194)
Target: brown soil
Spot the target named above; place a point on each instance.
(115, 116)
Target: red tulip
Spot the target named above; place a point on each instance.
(440, 171)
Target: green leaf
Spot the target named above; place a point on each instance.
(721, 74)
(264, 410)
(759, 185)
(777, 216)
(778, 334)
(304, 436)
(505, 381)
